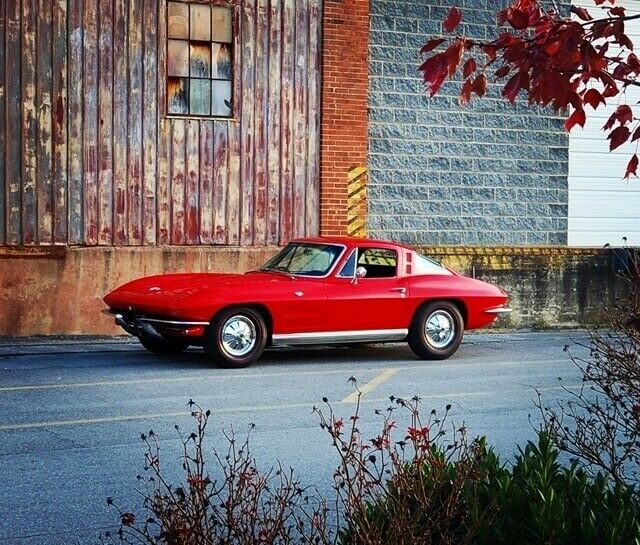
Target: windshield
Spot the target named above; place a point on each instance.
(305, 259)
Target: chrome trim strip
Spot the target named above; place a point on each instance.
(338, 337)
(169, 322)
(498, 310)
(152, 320)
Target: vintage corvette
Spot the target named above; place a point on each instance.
(318, 290)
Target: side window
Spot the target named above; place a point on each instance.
(199, 59)
(349, 268)
(379, 262)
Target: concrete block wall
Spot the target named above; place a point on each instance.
(485, 174)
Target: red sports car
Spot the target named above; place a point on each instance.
(318, 290)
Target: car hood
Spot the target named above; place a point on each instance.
(172, 289)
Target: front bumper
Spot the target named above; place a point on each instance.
(156, 328)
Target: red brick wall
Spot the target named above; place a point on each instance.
(345, 78)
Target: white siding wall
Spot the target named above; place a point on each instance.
(603, 207)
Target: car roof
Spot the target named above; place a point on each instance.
(350, 241)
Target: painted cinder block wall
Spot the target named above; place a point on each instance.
(485, 174)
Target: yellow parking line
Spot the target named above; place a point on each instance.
(502, 392)
(151, 416)
(377, 381)
(187, 378)
(258, 408)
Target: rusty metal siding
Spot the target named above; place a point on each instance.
(88, 155)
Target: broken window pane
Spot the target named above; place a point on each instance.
(178, 58)
(200, 60)
(200, 97)
(221, 98)
(221, 24)
(221, 65)
(200, 22)
(178, 20)
(177, 96)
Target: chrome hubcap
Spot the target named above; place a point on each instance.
(238, 336)
(440, 329)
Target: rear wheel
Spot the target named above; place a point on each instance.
(165, 347)
(236, 337)
(436, 331)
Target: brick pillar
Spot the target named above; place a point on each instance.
(345, 84)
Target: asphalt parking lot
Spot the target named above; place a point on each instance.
(73, 409)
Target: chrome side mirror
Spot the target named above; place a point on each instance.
(361, 272)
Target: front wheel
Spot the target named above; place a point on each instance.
(436, 331)
(165, 347)
(236, 338)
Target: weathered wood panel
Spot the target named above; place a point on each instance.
(88, 154)
(44, 145)
(60, 122)
(134, 151)
(120, 123)
(287, 119)
(205, 168)
(274, 113)
(29, 122)
(192, 193)
(90, 120)
(76, 111)
(150, 122)
(300, 127)
(247, 120)
(3, 128)
(105, 126)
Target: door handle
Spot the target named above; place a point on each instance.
(400, 290)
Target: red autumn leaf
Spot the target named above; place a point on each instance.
(632, 169)
(479, 86)
(624, 114)
(454, 55)
(469, 68)
(502, 71)
(617, 11)
(518, 19)
(434, 72)
(625, 41)
(618, 136)
(633, 62)
(431, 45)
(593, 98)
(576, 118)
(517, 82)
(490, 51)
(582, 13)
(636, 134)
(465, 93)
(452, 20)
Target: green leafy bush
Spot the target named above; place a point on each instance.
(538, 501)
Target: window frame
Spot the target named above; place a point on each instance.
(234, 6)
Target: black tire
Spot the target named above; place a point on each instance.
(236, 338)
(429, 336)
(165, 347)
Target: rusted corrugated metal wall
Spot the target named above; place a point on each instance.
(87, 155)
